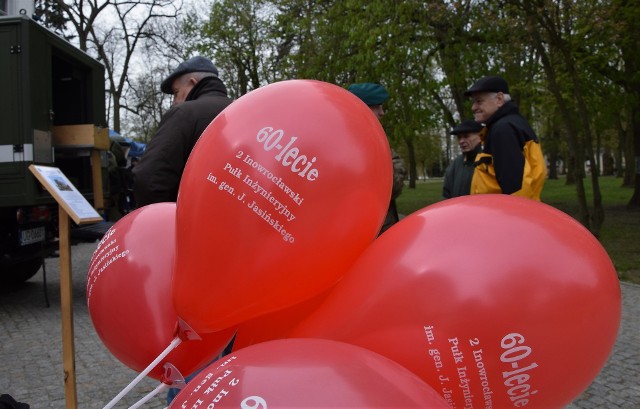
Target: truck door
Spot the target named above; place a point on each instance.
(12, 146)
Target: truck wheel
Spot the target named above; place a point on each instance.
(20, 272)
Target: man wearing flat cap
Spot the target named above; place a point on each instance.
(511, 161)
(374, 95)
(457, 177)
(198, 97)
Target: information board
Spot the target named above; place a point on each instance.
(66, 194)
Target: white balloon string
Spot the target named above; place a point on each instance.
(176, 341)
(157, 390)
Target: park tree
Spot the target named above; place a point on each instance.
(145, 103)
(621, 65)
(178, 39)
(571, 66)
(378, 41)
(558, 30)
(237, 36)
(80, 17)
(50, 15)
(174, 42)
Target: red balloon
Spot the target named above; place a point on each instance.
(491, 299)
(276, 325)
(282, 192)
(129, 294)
(307, 373)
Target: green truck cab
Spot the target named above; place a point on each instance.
(52, 113)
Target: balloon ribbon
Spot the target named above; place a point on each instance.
(176, 341)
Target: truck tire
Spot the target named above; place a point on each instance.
(20, 272)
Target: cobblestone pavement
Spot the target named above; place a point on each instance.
(31, 345)
(31, 350)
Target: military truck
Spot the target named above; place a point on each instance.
(52, 112)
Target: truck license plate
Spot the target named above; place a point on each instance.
(31, 235)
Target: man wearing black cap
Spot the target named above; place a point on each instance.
(511, 161)
(457, 177)
(198, 97)
(374, 95)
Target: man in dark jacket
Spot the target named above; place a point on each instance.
(198, 97)
(457, 177)
(511, 161)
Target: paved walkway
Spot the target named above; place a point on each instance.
(31, 350)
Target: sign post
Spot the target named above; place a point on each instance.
(71, 204)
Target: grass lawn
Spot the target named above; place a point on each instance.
(620, 234)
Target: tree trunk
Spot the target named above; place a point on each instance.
(634, 203)
(621, 153)
(413, 172)
(574, 143)
(608, 163)
(552, 151)
(629, 158)
(571, 171)
(116, 113)
(553, 165)
(597, 217)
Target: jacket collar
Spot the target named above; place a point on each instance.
(508, 108)
(470, 157)
(207, 85)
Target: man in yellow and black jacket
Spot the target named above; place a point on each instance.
(511, 161)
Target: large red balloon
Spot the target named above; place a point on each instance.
(282, 192)
(307, 373)
(491, 299)
(129, 294)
